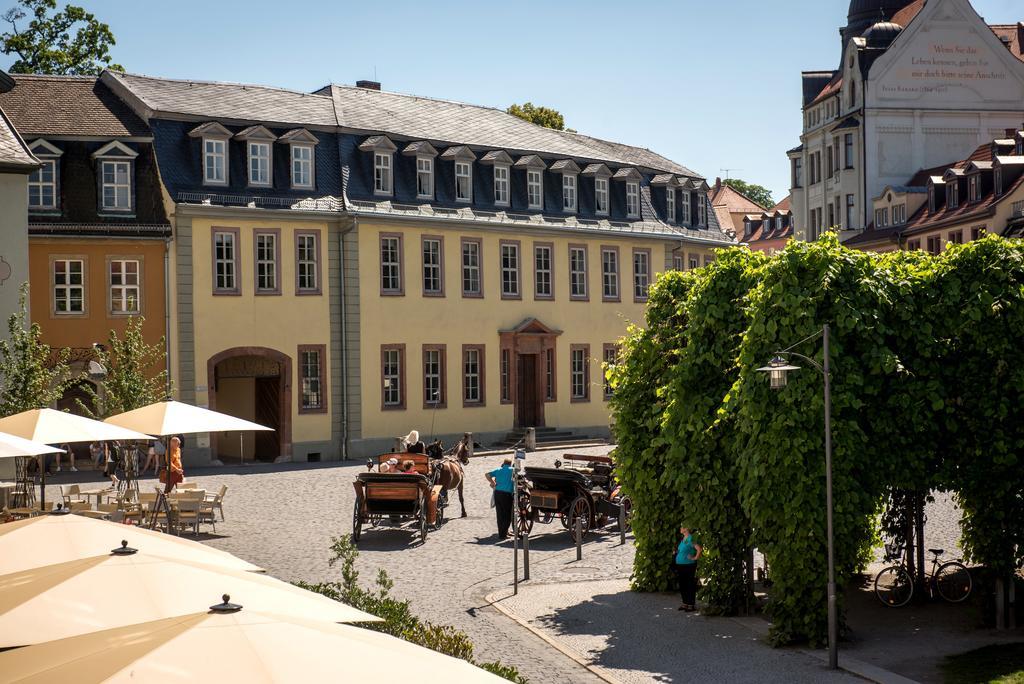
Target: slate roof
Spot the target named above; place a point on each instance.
(14, 154)
(69, 105)
(362, 109)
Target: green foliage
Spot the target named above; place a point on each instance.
(542, 116)
(398, 619)
(136, 373)
(31, 376)
(758, 193)
(925, 376)
(997, 664)
(68, 42)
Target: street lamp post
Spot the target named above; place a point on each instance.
(777, 370)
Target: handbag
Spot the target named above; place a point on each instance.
(177, 476)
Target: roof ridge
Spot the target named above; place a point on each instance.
(220, 83)
(432, 99)
(56, 77)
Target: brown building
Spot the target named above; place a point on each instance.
(98, 229)
(954, 203)
(732, 207)
(770, 230)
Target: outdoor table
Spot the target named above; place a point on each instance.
(96, 492)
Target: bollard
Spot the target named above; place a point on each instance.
(469, 443)
(526, 556)
(622, 525)
(531, 439)
(579, 539)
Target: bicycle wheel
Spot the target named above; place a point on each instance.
(894, 586)
(953, 582)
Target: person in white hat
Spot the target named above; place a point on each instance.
(412, 443)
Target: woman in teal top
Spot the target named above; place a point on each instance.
(500, 480)
(687, 554)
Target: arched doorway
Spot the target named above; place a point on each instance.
(253, 383)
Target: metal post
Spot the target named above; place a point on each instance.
(622, 525)
(1011, 604)
(833, 618)
(241, 448)
(579, 538)
(526, 556)
(515, 532)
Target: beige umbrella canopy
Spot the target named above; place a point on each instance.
(12, 446)
(53, 539)
(116, 590)
(56, 427)
(243, 646)
(173, 417)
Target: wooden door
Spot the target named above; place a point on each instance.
(527, 392)
(268, 413)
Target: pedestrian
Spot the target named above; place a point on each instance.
(177, 473)
(501, 481)
(71, 457)
(687, 554)
(155, 456)
(98, 451)
(110, 464)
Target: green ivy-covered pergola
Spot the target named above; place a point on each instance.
(927, 383)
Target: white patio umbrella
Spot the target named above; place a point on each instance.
(237, 643)
(51, 539)
(57, 427)
(124, 587)
(12, 446)
(165, 418)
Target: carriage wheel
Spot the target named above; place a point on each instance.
(422, 516)
(579, 509)
(442, 503)
(525, 522)
(357, 520)
(627, 504)
(375, 519)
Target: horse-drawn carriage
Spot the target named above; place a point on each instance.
(583, 489)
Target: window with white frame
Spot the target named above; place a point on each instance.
(850, 212)
(509, 270)
(684, 206)
(973, 188)
(670, 205)
(997, 181)
(425, 177)
(953, 194)
(307, 262)
(463, 182)
(471, 284)
(42, 186)
(311, 375)
(641, 274)
(578, 371)
(501, 184)
(433, 376)
(542, 271)
(259, 163)
(432, 284)
(677, 263)
(302, 166)
(702, 210)
(610, 274)
(578, 272)
(391, 370)
(225, 261)
(391, 264)
(124, 286)
(632, 199)
(382, 173)
(899, 214)
(116, 185)
(471, 376)
(601, 195)
(68, 286)
(881, 217)
(535, 188)
(266, 262)
(215, 166)
(694, 262)
(568, 192)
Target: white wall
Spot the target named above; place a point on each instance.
(13, 243)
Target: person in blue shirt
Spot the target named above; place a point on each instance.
(501, 481)
(687, 554)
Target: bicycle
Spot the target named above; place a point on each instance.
(894, 585)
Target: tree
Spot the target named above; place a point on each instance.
(136, 375)
(28, 378)
(66, 42)
(758, 193)
(542, 116)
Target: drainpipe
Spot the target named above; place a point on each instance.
(344, 343)
(167, 313)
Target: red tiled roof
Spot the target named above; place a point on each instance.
(733, 199)
(907, 14)
(1013, 37)
(833, 87)
(784, 205)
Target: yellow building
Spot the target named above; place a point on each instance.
(434, 265)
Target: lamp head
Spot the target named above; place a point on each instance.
(778, 369)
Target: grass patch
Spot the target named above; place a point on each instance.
(1003, 664)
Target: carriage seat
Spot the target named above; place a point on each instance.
(393, 478)
(422, 461)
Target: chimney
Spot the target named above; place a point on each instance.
(1010, 132)
(369, 85)
(718, 185)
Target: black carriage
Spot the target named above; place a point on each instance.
(583, 490)
(393, 497)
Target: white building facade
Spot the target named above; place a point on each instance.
(922, 86)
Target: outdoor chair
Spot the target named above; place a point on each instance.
(80, 507)
(72, 494)
(217, 501)
(188, 485)
(189, 511)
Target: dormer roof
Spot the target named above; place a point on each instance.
(299, 135)
(530, 161)
(378, 143)
(459, 153)
(666, 179)
(565, 166)
(597, 171)
(420, 148)
(978, 166)
(952, 174)
(210, 129)
(1009, 161)
(255, 133)
(496, 157)
(115, 149)
(44, 148)
(627, 173)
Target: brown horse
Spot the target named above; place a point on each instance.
(447, 468)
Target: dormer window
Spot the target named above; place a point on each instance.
(670, 204)
(684, 206)
(997, 181)
(535, 189)
(463, 182)
(973, 188)
(778, 223)
(501, 184)
(702, 209)
(424, 177)
(382, 184)
(259, 163)
(214, 139)
(303, 154)
(600, 173)
(115, 169)
(569, 192)
(42, 183)
(953, 194)
(632, 199)
(899, 214)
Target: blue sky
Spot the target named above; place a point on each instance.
(712, 85)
